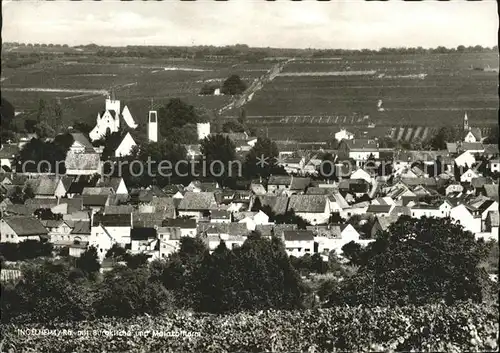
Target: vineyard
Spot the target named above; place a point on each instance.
(432, 328)
(393, 91)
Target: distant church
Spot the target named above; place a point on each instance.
(471, 134)
(108, 121)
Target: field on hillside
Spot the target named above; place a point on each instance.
(309, 100)
(82, 83)
(430, 89)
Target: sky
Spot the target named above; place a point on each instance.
(347, 24)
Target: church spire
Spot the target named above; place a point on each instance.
(466, 122)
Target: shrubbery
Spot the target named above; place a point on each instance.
(26, 250)
(463, 327)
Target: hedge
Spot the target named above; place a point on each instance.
(429, 328)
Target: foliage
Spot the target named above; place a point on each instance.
(26, 250)
(445, 134)
(208, 89)
(116, 252)
(45, 295)
(220, 153)
(53, 152)
(175, 113)
(233, 85)
(233, 126)
(493, 137)
(128, 292)
(263, 148)
(20, 194)
(135, 261)
(223, 285)
(47, 214)
(464, 327)
(417, 261)
(88, 262)
(327, 167)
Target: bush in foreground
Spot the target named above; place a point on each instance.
(458, 328)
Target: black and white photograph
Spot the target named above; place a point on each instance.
(249, 176)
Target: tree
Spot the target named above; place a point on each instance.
(136, 261)
(264, 150)
(445, 134)
(88, 262)
(418, 261)
(29, 125)
(44, 130)
(493, 137)
(327, 167)
(127, 292)
(7, 114)
(47, 214)
(220, 153)
(116, 252)
(353, 252)
(289, 217)
(256, 276)
(233, 126)
(233, 85)
(45, 295)
(176, 113)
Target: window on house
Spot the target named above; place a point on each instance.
(307, 250)
(101, 250)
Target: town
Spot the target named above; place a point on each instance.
(81, 209)
(331, 185)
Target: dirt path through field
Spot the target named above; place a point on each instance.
(257, 84)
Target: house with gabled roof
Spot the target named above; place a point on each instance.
(185, 227)
(125, 147)
(198, 186)
(253, 219)
(437, 210)
(278, 183)
(466, 159)
(380, 210)
(16, 229)
(472, 147)
(468, 175)
(95, 203)
(491, 191)
(494, 165)
(473, 135)
(298, 242)
(278, 204)
(381, 224)
(86, 163)
(197, 204)
(233, 234)
(333, 237)
(143, 240)
(491, 222)
(116, 184)
(107, 230)
(315, 209)
(59, 231)
(467, 217)
(363, 175)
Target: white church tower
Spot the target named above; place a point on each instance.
(466, 123)
(112, 103)
(153, 126)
